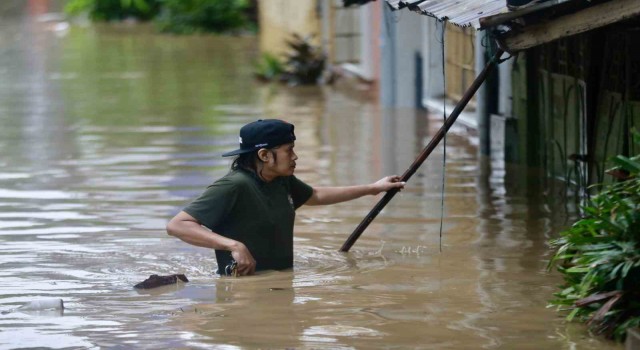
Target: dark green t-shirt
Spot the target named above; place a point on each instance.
(259, 214)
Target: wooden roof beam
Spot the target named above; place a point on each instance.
(588, 19)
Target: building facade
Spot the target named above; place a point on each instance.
(563, 105)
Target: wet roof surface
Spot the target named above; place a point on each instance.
(464, 12)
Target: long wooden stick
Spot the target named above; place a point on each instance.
(425, 152)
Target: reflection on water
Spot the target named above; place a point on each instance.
(107, 131)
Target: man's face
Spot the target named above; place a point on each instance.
(282, 160)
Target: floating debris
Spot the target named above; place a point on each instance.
(43, 304)
(157, 281)
(39, 305)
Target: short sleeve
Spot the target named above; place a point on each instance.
(214, 204)
(300, 191)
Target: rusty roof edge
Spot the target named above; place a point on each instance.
(443, 18)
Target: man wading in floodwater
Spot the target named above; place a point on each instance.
(250, 211)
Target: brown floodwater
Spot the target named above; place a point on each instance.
(107, 131)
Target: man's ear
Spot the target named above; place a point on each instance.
(263, 155)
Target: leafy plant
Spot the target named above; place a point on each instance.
(599, 256)
(625, 166)
(305, 62)
(191, 16)
(269, 67)
(76, 7)
(177, 16)
(107, 10)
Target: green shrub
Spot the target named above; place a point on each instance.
(599, 256)
(305, 62)
(176, 16)
(190, 16)
(269, 67)
(114, 10)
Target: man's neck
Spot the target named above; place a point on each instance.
(265, 175)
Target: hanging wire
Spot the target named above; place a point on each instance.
(444, 140)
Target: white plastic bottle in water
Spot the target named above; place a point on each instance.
(43, 304)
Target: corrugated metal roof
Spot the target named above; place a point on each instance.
(466, 13)
(460, 12)
(395, 4)
(535, 24)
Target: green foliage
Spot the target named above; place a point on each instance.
(109, 10)
(76, 7)
(176, 16)
(269, 67)
(599, 257)
(305, 62)
(191, 16)
(628, 165)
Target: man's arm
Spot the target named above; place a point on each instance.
(188, 229)
(332, 195)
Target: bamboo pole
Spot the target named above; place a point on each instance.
(425, 152)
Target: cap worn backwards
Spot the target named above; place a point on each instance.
(263, 133)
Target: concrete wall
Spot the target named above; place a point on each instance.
(400, 40)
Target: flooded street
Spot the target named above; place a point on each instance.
(107, 131)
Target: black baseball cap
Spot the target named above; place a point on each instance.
(263, 133)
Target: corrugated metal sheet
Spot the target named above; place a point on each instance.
(467, 13)
(460, 12)
(395, 4)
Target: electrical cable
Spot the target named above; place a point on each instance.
(444, 140)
